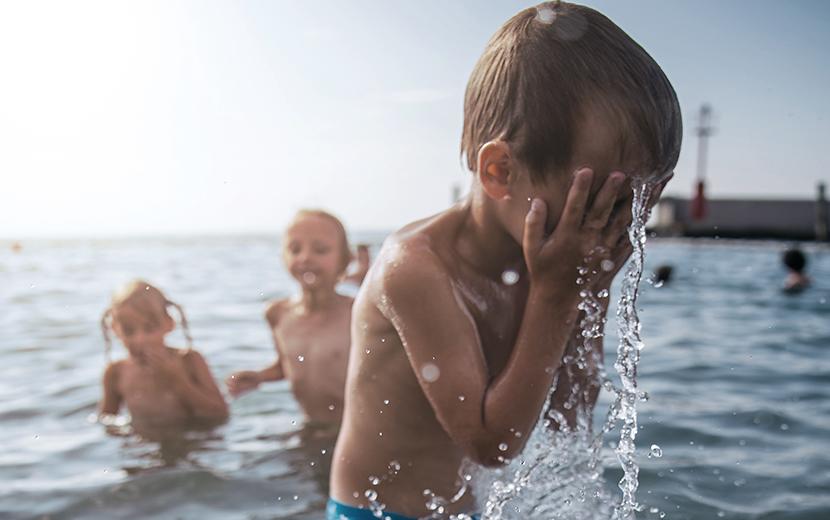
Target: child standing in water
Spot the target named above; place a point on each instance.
(159, 384)
(310, 329)
(461, 327)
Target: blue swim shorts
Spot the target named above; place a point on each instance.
(337, 511)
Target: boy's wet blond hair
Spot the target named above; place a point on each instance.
(545, 68)
(345, 252)
(149, 302)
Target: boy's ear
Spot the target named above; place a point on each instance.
(493, 169)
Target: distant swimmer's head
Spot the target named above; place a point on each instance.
(315, 248)
(139, 316)
(795, 260)
(560, 87)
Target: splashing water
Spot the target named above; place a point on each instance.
(559, 474)
(628, 352)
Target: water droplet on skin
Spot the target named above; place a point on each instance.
(510, 277)
(430, 372)
(603, 294)
(300, 358)
(580, 281)
(368, 351)
(461, 398)
(371, 494)
(373, 480)
(386, 402)
(331, 407)
(503, 446)
(395, 466)
(323, 451)
(607, 265)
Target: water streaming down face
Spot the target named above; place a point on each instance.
(559, 474)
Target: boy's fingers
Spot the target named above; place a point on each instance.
(603, 204)
(534, 232)
(618, 225)
(577, 198)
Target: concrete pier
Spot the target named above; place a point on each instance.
(785, 219)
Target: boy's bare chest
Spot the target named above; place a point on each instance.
(497, 311)
(304, 338)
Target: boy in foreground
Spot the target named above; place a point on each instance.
(461, 326)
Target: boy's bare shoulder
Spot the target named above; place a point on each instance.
(418, 253)
(114, 368)
(275, 309)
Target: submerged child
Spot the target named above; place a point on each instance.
(795, 261)
(158, 384)
(462, 324)
(311, 329)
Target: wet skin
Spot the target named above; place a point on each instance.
(311, 330)
(449, 362)
(158, 384)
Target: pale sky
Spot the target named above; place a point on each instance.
(121, 118)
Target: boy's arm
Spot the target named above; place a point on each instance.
(274, 371)
(111, 401)
(586, 380)
(244, 381)
(491, 419)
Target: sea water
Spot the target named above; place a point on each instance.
(738, 375)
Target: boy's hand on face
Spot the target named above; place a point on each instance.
(621, 250)
(242, 382)
(582, 238)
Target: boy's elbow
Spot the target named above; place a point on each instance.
(216, 412)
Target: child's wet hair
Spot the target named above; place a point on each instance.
(545, 68)
(149, 302)
(794, 259)
(345, 252)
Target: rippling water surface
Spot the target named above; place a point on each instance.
(737, 374)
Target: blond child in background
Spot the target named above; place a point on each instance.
(310, 329)
(158, 384)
